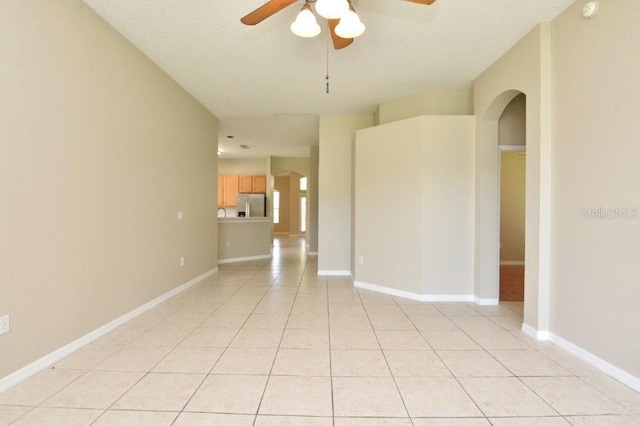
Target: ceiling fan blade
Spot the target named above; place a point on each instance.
(427, 2)
(338, 42)
(266, 10)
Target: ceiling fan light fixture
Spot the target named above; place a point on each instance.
(350, 25)
(305, 24)
(332, 9)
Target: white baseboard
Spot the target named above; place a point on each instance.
(244, 259)
(622, 376)
(334, 273)
(485, 302)
(512, 263)
(55, 356)
(415, 296)
(534, 333)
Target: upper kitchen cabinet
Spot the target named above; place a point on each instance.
(220, 191)
(253, 184)
(246, 184)
(259, 184)
(231, 185)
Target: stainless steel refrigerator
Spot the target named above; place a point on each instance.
(251, 205)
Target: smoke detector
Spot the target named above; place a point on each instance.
(245, 146)
(589, 10)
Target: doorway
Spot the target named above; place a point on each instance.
(512, 223)
(290, 210)
(512, 199)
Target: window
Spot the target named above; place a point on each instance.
(303, 214)
(276, 206)
(303, 184)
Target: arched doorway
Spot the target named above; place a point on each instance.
(512, 202)
(537, 225)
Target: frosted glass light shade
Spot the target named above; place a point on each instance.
(350, 25)
(305, 24)
(332, 9)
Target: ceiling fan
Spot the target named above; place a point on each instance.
(344, 24)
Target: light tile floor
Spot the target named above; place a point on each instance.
(271, 343)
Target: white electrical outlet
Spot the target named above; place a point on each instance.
(180, 216)
(228, 243)
(4, 324)
(182, 261)
(361, 260)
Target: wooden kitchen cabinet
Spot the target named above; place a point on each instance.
(246, 184)
(259, 184)
(220, 190)
(231, 184)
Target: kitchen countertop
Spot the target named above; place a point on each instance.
(244, 219)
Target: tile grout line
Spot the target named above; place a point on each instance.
(395, 382)
(105, 410)
(264, 391)
(333, 404)
(230, 341)
(449, 369)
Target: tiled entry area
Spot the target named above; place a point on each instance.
(271, 343)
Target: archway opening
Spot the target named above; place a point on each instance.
(512, 195)
(503, 129)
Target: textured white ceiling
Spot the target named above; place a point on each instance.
(263, 79)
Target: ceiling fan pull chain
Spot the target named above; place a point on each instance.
(327, 76)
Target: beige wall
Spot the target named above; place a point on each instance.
(290, 164)
(388, 205)
(337, 135)
(425, 103)
(596, 147)
(579, 281)
(414, 205)
(270, 183)
(512, 122)
(243, 238)
(99, 151)
(525, 68)
(512, 206)
(448, 205)
(312, 203)
(242, 166)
